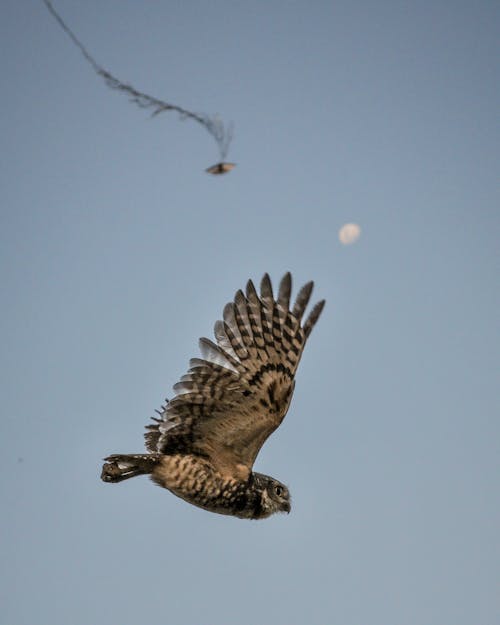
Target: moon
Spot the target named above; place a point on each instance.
(349, 233)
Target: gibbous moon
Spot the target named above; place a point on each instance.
(349, 233)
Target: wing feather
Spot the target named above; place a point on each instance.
(302, 299)
(313, 317)
(237, 394)
(254, 306)
(285, 290)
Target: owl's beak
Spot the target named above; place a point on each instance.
(287, 507)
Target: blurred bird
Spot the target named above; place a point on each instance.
(220, 168)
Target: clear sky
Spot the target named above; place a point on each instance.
(118, 251)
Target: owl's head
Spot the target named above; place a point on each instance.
(274, 496)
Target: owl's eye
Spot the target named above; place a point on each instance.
(278, 490)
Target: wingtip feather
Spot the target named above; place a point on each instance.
(313, 317)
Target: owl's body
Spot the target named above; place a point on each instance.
(195, 480)
(203, 446)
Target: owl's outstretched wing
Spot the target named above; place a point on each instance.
(233, 398)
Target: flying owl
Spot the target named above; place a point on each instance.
(204, 445)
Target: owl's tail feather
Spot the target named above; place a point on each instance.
(119, 467)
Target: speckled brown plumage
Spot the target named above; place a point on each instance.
(204, 444)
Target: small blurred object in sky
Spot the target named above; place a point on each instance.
(220, 168)
(349, 233)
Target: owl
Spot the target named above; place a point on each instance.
(204, 444)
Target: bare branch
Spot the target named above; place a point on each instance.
(213, 124)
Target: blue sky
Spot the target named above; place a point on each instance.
(118, 251)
